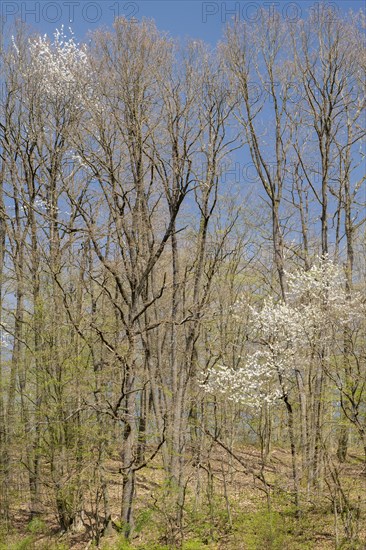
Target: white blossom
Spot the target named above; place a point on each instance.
(284, 334)
(61, 67)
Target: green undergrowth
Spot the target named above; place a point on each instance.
(211, 524)
(210, 528)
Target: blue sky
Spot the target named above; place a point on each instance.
(184, 18)
(198, 19)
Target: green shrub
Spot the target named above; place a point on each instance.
(26, 543)
(194, 545)
(36, 526)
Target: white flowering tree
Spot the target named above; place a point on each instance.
(294, 344)
(46, 83)
(283, 335)
(60, 66)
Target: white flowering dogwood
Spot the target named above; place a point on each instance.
(285, 334)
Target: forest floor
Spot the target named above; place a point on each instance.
(249, 507)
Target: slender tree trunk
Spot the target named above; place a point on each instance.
(4, 502)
